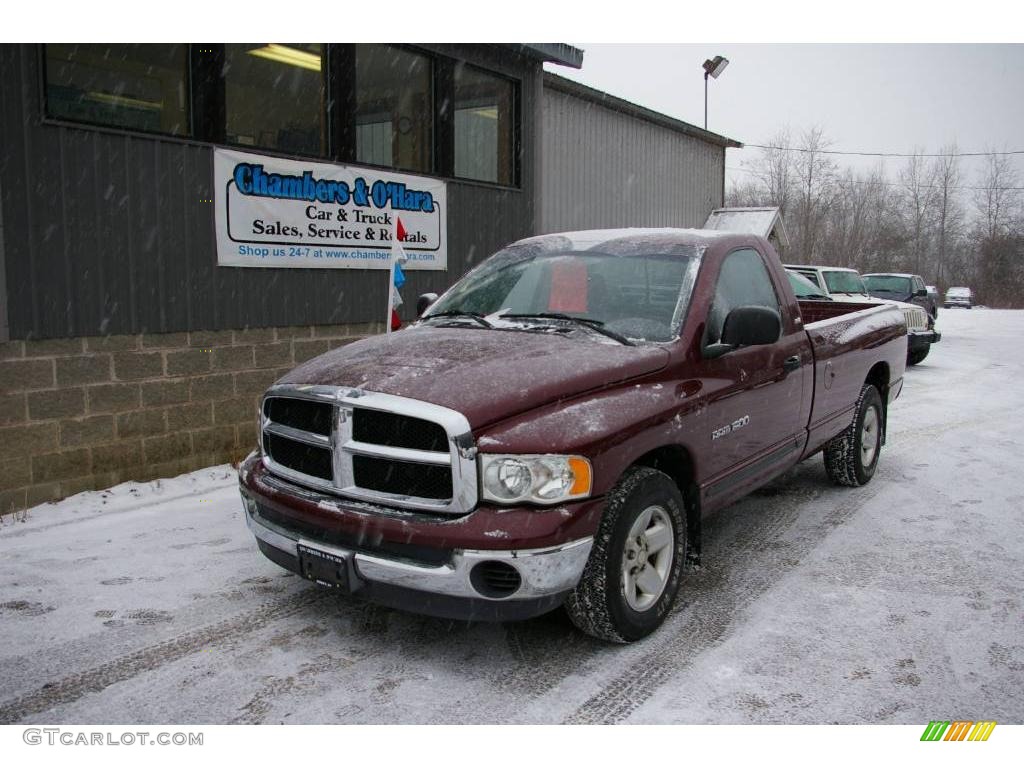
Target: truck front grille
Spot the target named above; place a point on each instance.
(398, 431)
(300, 414)
(299, 457)
(371, 447)
(402, 477)
(915, 318)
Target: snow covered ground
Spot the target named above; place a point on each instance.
(899, 602)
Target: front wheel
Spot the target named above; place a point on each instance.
(917, 356)
(632, 577)
(852, 456)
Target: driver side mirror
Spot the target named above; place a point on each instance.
(921, 292)
(423, 303)
(746, 327)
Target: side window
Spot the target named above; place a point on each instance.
(744, 281)
(811, 275)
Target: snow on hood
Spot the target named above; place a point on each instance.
(487, 375)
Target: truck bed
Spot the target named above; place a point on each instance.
(816, 311)
(847, 340)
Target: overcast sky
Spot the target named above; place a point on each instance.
(883, 98)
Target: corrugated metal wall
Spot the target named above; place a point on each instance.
(604, 168)
(5, 331)
(106, 232)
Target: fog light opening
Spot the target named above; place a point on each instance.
(495, 579)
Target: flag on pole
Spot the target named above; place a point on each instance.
(396, 278)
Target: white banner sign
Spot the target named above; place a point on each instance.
(289, 213)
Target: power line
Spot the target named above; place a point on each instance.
(887, 154)
(894, 183)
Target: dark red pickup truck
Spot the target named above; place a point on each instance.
(554, 427)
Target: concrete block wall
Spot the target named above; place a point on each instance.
(88, 413)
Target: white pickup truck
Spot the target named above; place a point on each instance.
(844, 284)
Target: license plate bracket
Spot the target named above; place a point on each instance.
(325, 568)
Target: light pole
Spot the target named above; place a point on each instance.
(713, 67)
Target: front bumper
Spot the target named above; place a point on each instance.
(426, 579)
(920, 339)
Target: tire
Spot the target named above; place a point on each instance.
(848, 459)
(913, 358)
(599, 605)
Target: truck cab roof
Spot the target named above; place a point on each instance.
(590, 238)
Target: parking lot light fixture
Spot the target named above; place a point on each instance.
(713, 67)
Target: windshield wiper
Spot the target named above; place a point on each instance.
(475, 316)
(594, 325)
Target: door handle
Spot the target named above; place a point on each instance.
(791, 363)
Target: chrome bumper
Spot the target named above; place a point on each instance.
(544, 572)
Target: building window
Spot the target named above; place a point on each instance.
(274, 96)
(394, 108)
(483, 126)
(141, 87)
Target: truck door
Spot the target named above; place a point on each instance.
(754, 395)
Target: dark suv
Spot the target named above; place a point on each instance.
(902, 287)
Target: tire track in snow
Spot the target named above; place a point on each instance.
(739, 582)
(547, 650)
(728, 590)
(93, 680)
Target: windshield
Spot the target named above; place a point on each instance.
(641, 297)
(887, 283)
(958, 292)
(843, 282)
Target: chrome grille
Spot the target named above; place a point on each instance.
(915, 318)
(370, 447)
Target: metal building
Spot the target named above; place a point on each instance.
(152, 284)
(610, 163)
(131, 347)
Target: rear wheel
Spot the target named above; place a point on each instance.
(915, 357)
(632, 577)
(852, 456)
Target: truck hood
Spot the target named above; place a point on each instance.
(894, 295)
(487, 375)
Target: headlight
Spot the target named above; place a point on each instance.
(534, 479)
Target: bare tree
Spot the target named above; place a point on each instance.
(919, 194)
(918, 224)
(996, 200)
(853, 218)
(946, 174)
(775, 171)
(747, 194)
(815, 173)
